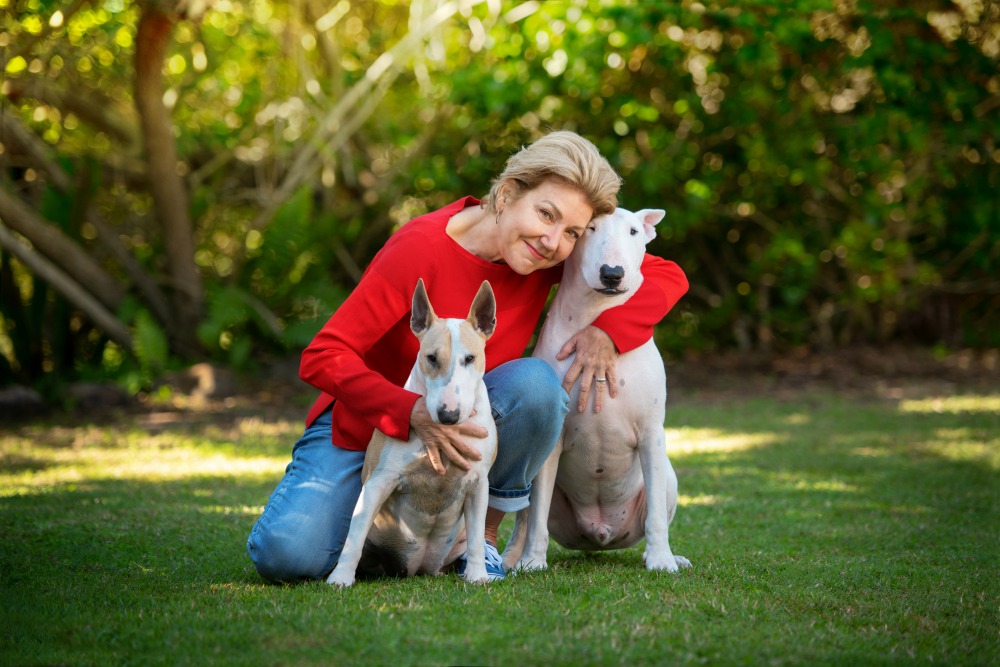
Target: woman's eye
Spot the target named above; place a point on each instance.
(545, 214)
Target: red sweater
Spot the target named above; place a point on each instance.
(363, 355)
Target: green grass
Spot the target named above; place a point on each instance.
(822, 530)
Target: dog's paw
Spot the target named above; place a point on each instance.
(474, 578)
(529, 565)
(475, 573)
(666, 561)
(340, 579)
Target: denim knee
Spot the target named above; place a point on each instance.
(531, 387)
(529, 405)
(302, 529)
(281, 557)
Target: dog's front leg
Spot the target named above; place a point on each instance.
(373, 495)
(661, 502)
(535, 536)
(476, 502)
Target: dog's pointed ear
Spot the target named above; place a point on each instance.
(650, 217)
(422, 315)
(483, 314)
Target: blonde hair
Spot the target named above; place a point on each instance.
(563, 156)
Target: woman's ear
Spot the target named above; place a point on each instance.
(503, 194)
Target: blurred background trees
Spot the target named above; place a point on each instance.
(184, 179)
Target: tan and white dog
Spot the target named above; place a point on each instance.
(609, 482)
(408, 519)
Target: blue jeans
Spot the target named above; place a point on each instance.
(303, 527)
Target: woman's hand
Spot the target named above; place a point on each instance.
(594, 364)
(444, 440)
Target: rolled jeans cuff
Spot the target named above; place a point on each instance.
(509, 501)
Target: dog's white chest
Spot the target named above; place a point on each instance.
(600, 457)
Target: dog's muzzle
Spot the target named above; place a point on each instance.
(448, 417)
(611, 276)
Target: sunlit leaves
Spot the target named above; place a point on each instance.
(822, 163)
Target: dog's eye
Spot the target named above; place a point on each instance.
(633, 231)
(469, 358)
(432, 359)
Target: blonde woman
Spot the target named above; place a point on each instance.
(516, 237)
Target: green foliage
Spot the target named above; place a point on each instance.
(828, 169)
(149, 345)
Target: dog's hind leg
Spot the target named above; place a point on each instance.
(536, 541)
(515, 545)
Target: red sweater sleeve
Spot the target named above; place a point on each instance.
(334, 361)
(631, 324)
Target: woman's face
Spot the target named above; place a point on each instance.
(539, 230)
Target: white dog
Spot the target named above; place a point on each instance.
(411, 515)
(608, 483)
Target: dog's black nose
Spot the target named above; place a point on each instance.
(611, 276)
(447, 416)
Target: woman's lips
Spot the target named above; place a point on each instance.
(534, 252)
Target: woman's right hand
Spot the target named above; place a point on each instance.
(445, 440)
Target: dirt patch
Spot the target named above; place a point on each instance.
(862, 372)
(275, 393)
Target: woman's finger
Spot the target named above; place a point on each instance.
(600, 385)
(455, 456)
(434, 456)
(572, 373)
(612, 381)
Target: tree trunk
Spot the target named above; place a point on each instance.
(153, 37)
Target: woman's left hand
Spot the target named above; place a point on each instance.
(594, 364)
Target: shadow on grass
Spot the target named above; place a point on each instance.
(824, 474)
(179, 532)
(840, 475)
(826, 518)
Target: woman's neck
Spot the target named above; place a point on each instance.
(473, 228)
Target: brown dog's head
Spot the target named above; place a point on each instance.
(452, 355)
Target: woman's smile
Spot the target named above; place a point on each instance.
(547, 221)
(535, 253)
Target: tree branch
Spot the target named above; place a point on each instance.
(27, 44)
(14, 131)
(152, 296)
(67, 286)
(90, 105)
(356, 105)
(50, 241)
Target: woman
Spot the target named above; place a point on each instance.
(516, 238)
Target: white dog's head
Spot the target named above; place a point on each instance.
(452, 358)
(610, 251)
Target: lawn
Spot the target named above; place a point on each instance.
(823, 529)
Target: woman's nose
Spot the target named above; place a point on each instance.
(550, 241)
